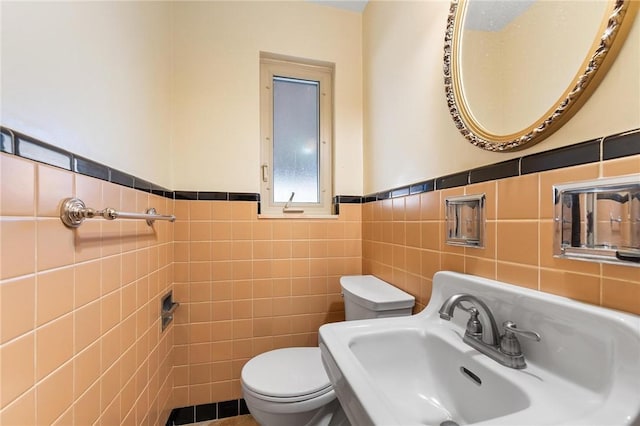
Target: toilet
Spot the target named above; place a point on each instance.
(289, 386)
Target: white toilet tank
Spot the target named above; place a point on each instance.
(366, 296)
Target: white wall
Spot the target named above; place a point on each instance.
(169, 91)
(92, 78)
(216, 87)
(408, 133)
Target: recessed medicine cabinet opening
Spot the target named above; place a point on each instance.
(465, 219)
(598, 220)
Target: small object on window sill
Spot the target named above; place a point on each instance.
(289, 210)
(630, 255)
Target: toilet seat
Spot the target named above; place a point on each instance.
(286, 375)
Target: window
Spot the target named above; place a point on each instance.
(296, 132)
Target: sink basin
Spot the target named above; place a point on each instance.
(417, 370)
(443, 383)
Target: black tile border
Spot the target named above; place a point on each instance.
(592, 151)
(453, 180)
(228, 409)
(495, 171)
(604, 148)
(422, 187)
(91, 168)
(621, 145)
(205, 412)
(48, 154)
(6, 141)
(568, 156)
(243, 196)
(347, 199)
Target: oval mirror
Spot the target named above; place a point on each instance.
(516, 70)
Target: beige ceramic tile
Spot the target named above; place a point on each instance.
(241, 231)
(86, 325)
(243, 210)
(17, 186)
(431, 235)
(111, 415)
(491, 200)
(335, 230)
(111, 195)
(201, 231)
(17, 245)
(87, 282)
(22, 411)
(87, 241)
(517, 242)
(430, 205)
(181, 210)
(110, 347)
(55, 293)
(18, 367)
(200, 210)
(517, 274)
(585, 288)
(86, 408)
(111, 274)
(198, 251)
(86, 368)
(110, 310)
(412, 207)
(481, 267)
(622, 295)
(55, 394)
(17, 299)
(89, 190)
(518, 197)
(351, 212)
(55, 246)
(452, 262)
(54, 185)
(489, 249)
(621, 272)
(54, 345)
(621, 166)
(221, 210)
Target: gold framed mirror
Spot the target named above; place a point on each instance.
(516, 71)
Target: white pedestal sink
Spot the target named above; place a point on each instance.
(417, 370)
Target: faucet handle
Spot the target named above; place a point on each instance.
(510, 327)
(509, 343)
(474, 326)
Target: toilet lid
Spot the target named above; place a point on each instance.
(287, 373)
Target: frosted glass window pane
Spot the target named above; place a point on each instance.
(295, 140)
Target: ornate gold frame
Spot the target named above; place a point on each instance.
(593, 69)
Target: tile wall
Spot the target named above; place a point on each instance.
(250, 285)
(403, 240)
(80, 339)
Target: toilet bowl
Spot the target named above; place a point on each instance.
(289, 386)
(286, 387)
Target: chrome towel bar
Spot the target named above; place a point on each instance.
(73, 212)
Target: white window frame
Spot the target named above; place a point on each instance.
(271, 67)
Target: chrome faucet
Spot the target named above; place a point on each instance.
(504, 349)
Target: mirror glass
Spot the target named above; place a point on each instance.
(515, 70)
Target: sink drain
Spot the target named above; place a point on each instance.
(449, 423)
